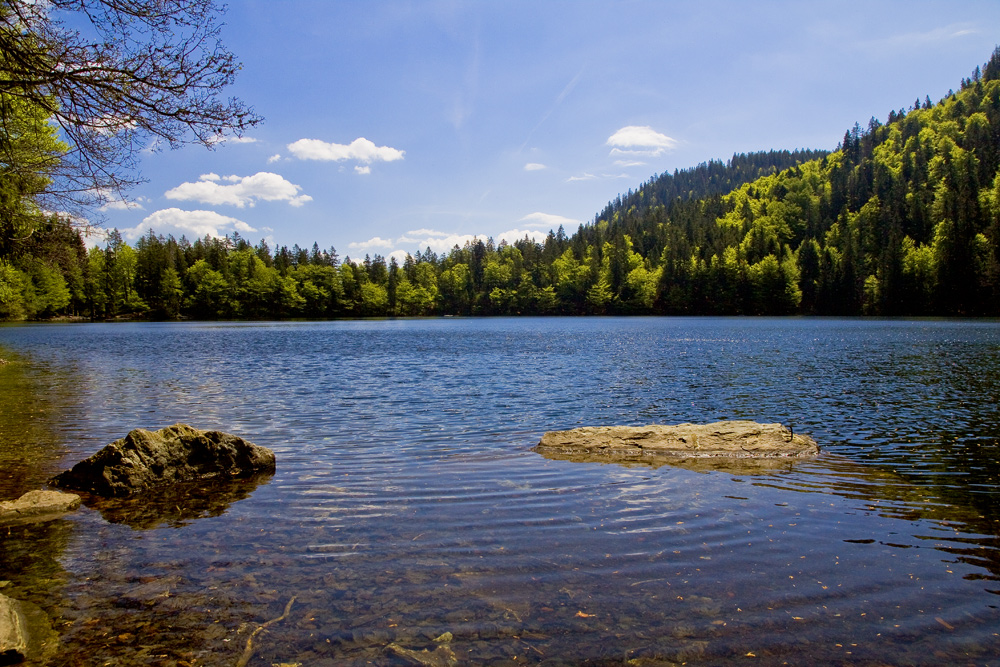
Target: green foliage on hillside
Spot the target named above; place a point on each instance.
(902, 219)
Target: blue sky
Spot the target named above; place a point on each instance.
(394, 126)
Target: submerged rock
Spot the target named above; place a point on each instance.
(741, 441)
(179, 503)
(147, 459)
(13, 634)
(38, 506)
(25, 632)
(442, 656)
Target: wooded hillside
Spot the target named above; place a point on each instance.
(903, 218)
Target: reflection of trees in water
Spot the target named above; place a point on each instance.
(938, 422)
(969, 516)
(921, 423)
(139, 612)
(135, 611)
(29, 450)
(30, 565)
(963, 528)
(29, 558)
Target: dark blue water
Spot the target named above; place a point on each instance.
(408, 506)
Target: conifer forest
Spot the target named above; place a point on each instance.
(901, 218)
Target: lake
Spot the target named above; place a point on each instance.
(409, 521)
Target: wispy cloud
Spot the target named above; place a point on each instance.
(594, 177)
(239, 191)
(919, 39)
(534, 166)
(567, 89)
(360, 150)
(194, 224)
(629, 163)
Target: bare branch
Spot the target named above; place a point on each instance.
(136, 71)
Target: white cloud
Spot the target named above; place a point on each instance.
(110, 125)
(244, 191)
(640, 140)
(94, 237)
(370, 244)
(547, 220)
(442, 242)
(360, 150)
(512, 235)
(362, 170)
(534, 166)
(153, 146)
(274, 158)
(437, 241)
(400, 256)
(114, 202)
(193, 224)
(426, 232)
(592, 177)
(220, 139)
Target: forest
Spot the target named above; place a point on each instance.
(902, 218)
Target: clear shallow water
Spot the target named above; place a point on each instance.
(408, 504)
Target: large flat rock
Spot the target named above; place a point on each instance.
(743, 442)
(147, 459)
(38, 506)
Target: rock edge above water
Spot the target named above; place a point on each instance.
(38, 506)
(657, 444)
(147, 459)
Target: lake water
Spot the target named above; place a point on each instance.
(408, 505)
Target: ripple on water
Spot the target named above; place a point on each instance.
(407, 502)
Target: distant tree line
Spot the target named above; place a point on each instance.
(903, 218)
(165, 278)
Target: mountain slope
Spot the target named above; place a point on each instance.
(903, 218)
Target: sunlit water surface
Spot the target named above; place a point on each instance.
(408, 505)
